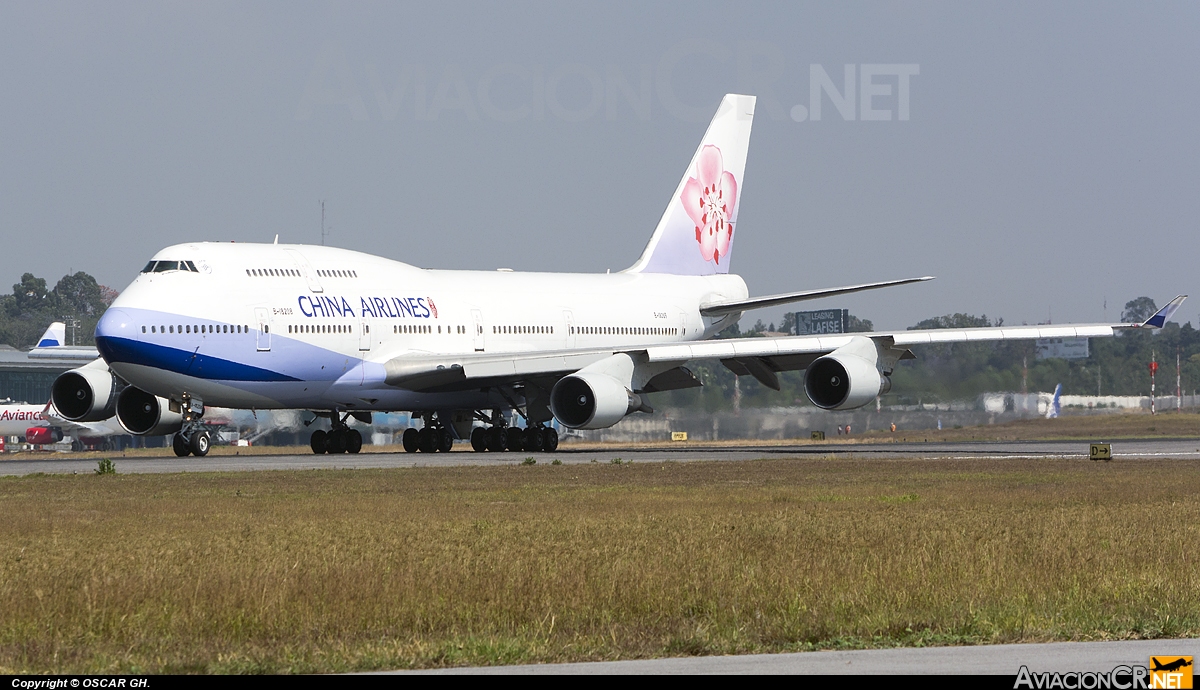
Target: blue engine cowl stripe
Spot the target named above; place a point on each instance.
(182, 362)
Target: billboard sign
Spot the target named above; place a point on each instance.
(821, 322)
(1062, 348)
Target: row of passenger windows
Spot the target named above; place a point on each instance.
(417, 328)
(264, 272)
(321, 328)
(399, 329)
(623, 330)
(200, 328)
(523, 330)
(272, 272)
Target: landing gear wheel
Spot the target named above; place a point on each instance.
(200, 443)
(497, 439)
(516, 440)
(479, 439)
(336, 441)
(534, 439)
(180, 445)
(427, 441)
(353, 441)
(409, 439)
(445, 440)
(317, 442)
(551, 443)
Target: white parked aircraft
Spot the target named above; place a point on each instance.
(343, 333)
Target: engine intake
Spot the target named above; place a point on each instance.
(143, 414)
(591, 401)
(86, 394)
(597, 396)
(846, 378)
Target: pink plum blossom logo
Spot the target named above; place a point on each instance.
(709, 200)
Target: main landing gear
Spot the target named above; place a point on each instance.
(433, 438)
(498, 438)
(340, 439)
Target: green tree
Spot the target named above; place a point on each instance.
(1138, 310)
(31, 308)
(857, 325)
(29, 296)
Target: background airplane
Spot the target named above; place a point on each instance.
(343, 333)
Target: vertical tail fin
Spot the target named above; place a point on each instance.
(695, 235)
(1055, 406)
(55, 335)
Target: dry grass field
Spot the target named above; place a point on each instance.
(352, 570)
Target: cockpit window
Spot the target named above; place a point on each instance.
(164, 266)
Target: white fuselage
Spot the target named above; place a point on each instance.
(295, 326)
(15, 419)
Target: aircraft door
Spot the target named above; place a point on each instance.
(364, 334)
(477, 318)
(305, 269)
(570, 319)
(262, 316)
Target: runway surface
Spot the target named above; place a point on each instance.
(1007, 659)
(59, 463)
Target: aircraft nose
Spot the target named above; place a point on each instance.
(116, 323)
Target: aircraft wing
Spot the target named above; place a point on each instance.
(758, 357)
(719, 308)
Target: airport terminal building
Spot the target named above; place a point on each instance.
(28, 379)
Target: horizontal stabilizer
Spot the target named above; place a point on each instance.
(719, 308)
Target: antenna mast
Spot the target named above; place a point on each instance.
(322, 222)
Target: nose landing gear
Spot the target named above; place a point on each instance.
(195, 436)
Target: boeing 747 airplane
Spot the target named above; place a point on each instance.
(342, 333)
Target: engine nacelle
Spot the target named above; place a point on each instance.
(588, 400)
(41, 435)
(143, 414)
(86, 394)
(846, 378)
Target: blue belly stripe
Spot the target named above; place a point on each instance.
(179, 361)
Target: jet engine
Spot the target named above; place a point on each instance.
(846, 378)
(86, 394)
(143, 414)
(41, 435)
(597, 396)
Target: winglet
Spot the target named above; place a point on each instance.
(1162, 316)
